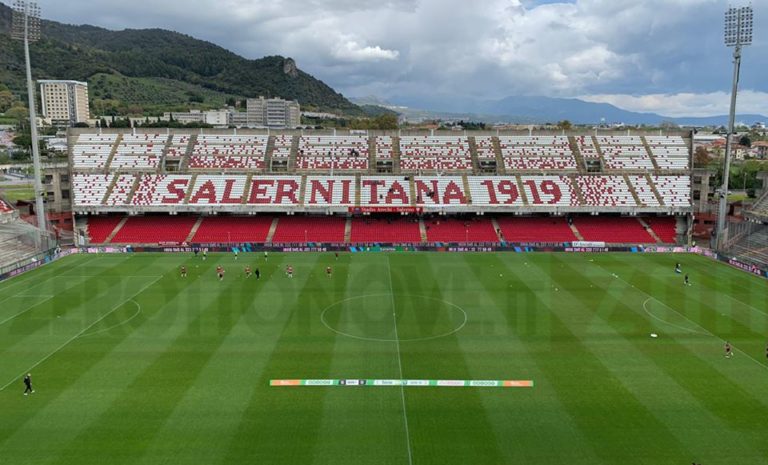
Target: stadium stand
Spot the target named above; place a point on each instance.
(671, 152)
(90, 189)
(227, 173)
(236, 229)
(612, 230)
(394, 230)
(163, 229)
(300, 229)
(92, 151)
(101, 227)
(625, 153)
(535, 229)
(343, 153)
(460, 230)
(434, 153)
(230, 152)
(537, 153)
(675, 191)
(644, 191)
(606, 191)
(283, 145)
(665, 227)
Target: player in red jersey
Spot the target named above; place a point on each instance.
(247, 271)
(183, 271)
(328, 271)
(220, 272)
(728, 350)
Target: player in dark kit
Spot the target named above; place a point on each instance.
(28, 384)
(728, 350)
(678, 270)
(247, 271)
(328, 271)
(687, 281)
(258, 274)
(183, 271)
(220, 272)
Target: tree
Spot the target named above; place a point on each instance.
(17, 112)
(745, 141)
(231, 102)
(701, 156)
(565, 125)
(81, 125)
(6, 100)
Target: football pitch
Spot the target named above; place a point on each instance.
(133, 364)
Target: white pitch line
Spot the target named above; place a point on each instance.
(78, 335)
(746, 304)
(55, 275)
(138, 312)
(399, 363)
(49, 297)
(708, 332)
(688, 330)
(89, 259)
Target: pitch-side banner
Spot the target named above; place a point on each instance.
(403, 382)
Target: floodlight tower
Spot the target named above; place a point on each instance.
(738, 33)
(26, 27)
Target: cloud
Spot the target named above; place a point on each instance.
(687, 104)
(350, 49)
(489, 49)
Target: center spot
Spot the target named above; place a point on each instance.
(370, 317)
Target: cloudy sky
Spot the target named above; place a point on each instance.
(665, 56)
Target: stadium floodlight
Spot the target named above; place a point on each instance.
(738, 33)
(26, 27)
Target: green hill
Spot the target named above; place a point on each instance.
(149, 68)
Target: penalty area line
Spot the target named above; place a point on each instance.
(76, 336)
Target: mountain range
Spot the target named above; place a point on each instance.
(537, 110)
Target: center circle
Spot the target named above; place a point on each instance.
(372, 317)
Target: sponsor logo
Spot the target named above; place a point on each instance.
(285, 382)
(318, 382)
(416, 382)
(484, 383)
(387, 382)
(451, 382)
(526, 383)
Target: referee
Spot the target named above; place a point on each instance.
(28, 384)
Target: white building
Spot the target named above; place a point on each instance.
(273, 113)
(64, 102)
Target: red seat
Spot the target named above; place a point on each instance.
(444, 229)
(536, 229)
(299, 229)
(613, 230)
(100, 227)
(235, 229)
(155, 229)
(385, 230)
(665, 228)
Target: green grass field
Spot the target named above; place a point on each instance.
(133, 364)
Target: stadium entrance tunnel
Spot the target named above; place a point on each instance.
(373, 317)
